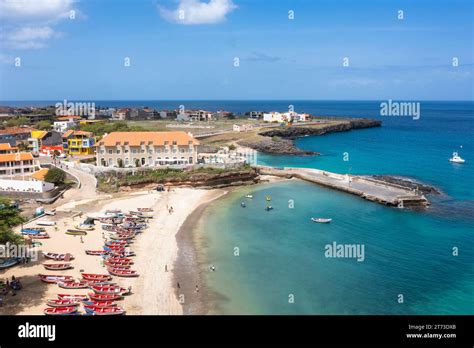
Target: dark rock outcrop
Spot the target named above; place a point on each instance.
(407, 183)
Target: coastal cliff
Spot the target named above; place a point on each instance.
(279, 140)
(202, 177)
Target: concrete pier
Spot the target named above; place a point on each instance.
(367, 188)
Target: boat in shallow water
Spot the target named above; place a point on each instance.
(456, 158)
(321, 220)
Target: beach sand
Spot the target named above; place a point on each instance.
(154, 291)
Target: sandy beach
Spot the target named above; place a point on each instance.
(155, 291)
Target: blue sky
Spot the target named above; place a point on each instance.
(192, 57)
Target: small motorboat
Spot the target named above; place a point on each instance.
(58, 257)
(62, 303)
(45, 223)
(268, 208)
(243, 205)
(104, 311)
(104, 297)
(249, 196)
(321, 220)
(73, 297)
(73, 285)
(93, 276)
(123, 272)
(456, 158)
(12, 261)
(60, 310)
(76, 232)
(49, 278)
(57, 266)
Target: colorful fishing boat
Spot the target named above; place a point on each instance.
(104, 297)
(123, 272)
(62, 303)
(100, 303)
(76, 233)
(60, 310)
(57, 266)
(9, 262)
(73, 285)
(118, 265)
(108, 289)
(30, 231)
(42, 235)
(59, 257)
(96, 252)
(93, 276)
(50, 278)
(73, 297)
(104, 311)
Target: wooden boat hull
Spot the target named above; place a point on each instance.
(73, 285)
(9, 262)
(62, 303)
(76, 233)
(50, 278)
(93, 276)
(127, 273)
(60, 310)
(73, 297)
(57, 267)
(57, 257)
(104, 297)
(104, 310)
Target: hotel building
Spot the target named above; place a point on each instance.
(150, 149)
(17, 164)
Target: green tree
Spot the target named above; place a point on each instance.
(43, 125)
(55, 176)
(17, 121)
(9, 217)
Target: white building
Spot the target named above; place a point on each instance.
(194, 116)
(242, 127)
(289, 116)
(20, 163)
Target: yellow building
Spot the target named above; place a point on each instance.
(78, 142)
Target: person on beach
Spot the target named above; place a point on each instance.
(212, 268)
(197, 288)
(179, 287)
(166, 268)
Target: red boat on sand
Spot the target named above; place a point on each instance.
(51, 278)
(93, 276)
(59, 257)
(62, 303)
(100, 303)
(123, 272)
(73, 285)
(104, 297)
(108, 289)
(73, 297)
(57, 266)
(96, 252)
(105, 311)
(60, 310)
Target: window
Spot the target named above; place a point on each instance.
(182, 150)
(126, 151)
(111, 152)
(118, 152)
(190, 160)
(134, 151)
(111, 161)
(150, 151)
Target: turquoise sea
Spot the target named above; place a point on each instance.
(281, 266)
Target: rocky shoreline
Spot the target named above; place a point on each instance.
(281, 140)
(407, 183)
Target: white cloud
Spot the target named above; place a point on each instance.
(29, 37)
(44, 10)
(197, 12)
(28, 24)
